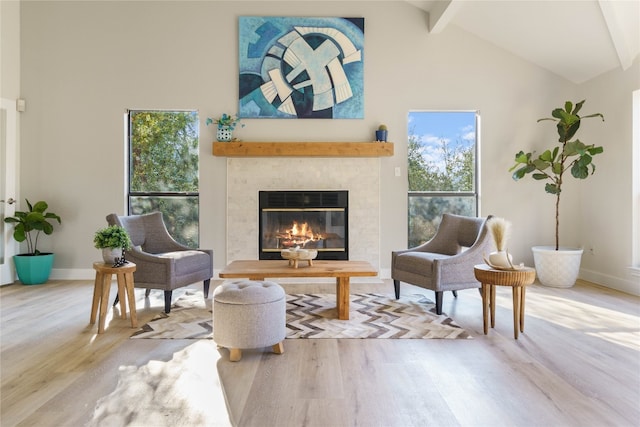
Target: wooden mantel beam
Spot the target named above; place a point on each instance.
(303, 149)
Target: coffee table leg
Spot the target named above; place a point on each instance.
(342, 297)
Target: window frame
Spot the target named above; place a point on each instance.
(130, 195)
(451, 194)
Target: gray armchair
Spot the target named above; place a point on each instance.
(444, 263)
(161, 262)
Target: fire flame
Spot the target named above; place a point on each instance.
(300, 234)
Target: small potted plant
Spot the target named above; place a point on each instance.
(33, 267)
(381, 133)
(226, 125)
(550, 166)
(113, 240)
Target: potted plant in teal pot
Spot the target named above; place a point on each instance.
(33, 267)
(559, 266)
(113, 240)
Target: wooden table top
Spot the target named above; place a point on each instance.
(521, 277)
(280, 268)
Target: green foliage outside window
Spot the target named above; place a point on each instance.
(456, 174)
(164, 157)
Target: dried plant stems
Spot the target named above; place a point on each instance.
(500, 229)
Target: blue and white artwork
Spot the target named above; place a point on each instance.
(297, 67)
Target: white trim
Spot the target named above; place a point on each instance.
(635, 181)
(628, 285)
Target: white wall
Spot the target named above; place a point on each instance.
(84, 63)
(605, 219)
(10, 49)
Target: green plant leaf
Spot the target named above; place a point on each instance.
(521, 157)
(40, 207)
(578, 107)
(47, 228)
(579, 171)
(568, 106)
(572, 148)
(541, 164)
(546, 156)
(520, 173)
(571, 130)
(557, 113)
(551, 188)
(540, 176)
(19, 233)
(595, 150)
(585, 160)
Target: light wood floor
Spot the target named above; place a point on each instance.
(577, 364)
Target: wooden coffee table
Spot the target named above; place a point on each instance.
(341, 270)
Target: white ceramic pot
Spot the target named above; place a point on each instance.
(224, 134)
(109, 255)
(558, 269)
(500, 259)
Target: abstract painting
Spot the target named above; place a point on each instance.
(298, 67)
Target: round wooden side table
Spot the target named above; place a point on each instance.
(124, 275)
(517, 279)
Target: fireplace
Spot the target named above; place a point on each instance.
(306, 219)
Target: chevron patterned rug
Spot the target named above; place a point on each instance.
(314, 316)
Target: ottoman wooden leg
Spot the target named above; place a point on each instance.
(278, 348)
(235, 354)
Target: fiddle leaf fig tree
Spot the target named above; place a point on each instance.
(551, 165)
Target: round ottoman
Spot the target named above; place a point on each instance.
(249, 314)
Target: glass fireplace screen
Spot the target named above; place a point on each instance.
(323, 228)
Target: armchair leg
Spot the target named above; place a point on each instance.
(396, 288)
(167, 301)
(455, 294)
(147, 292)
(206, 288)
(439, 302)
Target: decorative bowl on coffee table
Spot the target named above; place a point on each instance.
(295, 255)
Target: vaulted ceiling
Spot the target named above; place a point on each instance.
(576, 39)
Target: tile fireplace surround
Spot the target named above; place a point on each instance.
(247, 176)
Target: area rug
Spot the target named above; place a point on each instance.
(371, 315)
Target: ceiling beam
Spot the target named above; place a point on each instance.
(441, 14)
(616, 32)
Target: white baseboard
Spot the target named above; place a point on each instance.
(630, 285)
(73, 274)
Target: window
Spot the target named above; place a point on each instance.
(163, 169)
(442, 169)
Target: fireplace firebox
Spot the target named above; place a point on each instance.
(306, 219)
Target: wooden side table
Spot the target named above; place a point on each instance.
(101, 289)
(517, 279)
